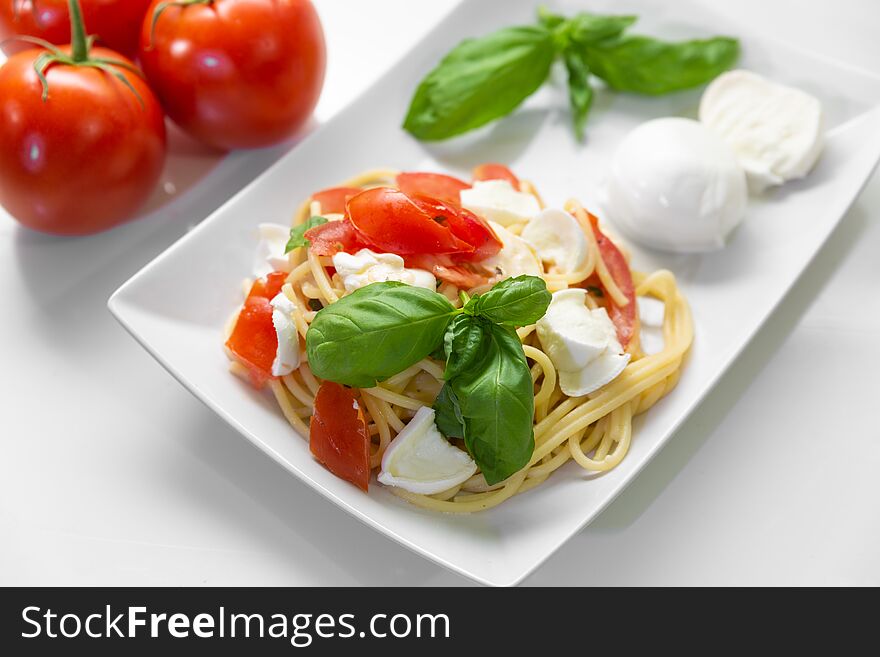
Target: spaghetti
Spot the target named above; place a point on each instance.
(595, 430)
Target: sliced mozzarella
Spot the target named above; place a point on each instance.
(498, 201)
(515, 258)
(582, 343)
(775, 131)
(569, 332)
(287, 356)
(421, 460)
(365, 267)
(270, 250)
(558, 240)
(598, 373)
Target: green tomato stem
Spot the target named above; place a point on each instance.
(78, 41)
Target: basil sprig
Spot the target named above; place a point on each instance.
(483, 79)
(298, 233)
(488, 398)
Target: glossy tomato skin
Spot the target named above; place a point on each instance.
(116, 23)
(338, 434)
(236, 73)
(85, 159)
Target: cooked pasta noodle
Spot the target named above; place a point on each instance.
(594, 431)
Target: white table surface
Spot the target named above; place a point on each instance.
(112, 474)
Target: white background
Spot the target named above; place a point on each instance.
(110, 473)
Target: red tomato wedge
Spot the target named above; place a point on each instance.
(333, 237)
(338, 435)
(625, 318)
(436, 185)
(466, 226)
(253, 340)
(333, 200)
(395, 223)
(492, 171)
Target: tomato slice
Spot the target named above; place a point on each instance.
(335, 236)
(462, 275)
(625, 318)
(338, 435)
(493, 171)
(435, 185)
(254, 341)
(333, 199)
(395, 223)
(466, 226)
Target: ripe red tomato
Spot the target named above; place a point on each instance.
(116, 23)
(85, 158)
(235, 73)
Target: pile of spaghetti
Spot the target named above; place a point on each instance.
(594, 430)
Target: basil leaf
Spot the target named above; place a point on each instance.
(580, 93)
(462, 343)
(548, 19)
(497, 401)
(518, 301)
(583, 28)
(447, 413)
(297, 233)
(479, 81)
(649, 66)
(376, 332)
(586, 28)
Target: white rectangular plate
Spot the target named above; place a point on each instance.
(177, 305)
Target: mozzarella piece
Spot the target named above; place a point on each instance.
(498, 201)
(582, 343)
(600, 372)
(421, 460)
(569, 332)
(515, 258)
(365, 267)
(675, 185)
(270, 254)
(558, 239)
(287, 356)
(775, 131)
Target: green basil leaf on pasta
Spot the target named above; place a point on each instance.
(479, 81)
(463, 343)
(518, 301)
(297, 233)
(447, 413)
(497, 401)
(646, 65)
(376, 332)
